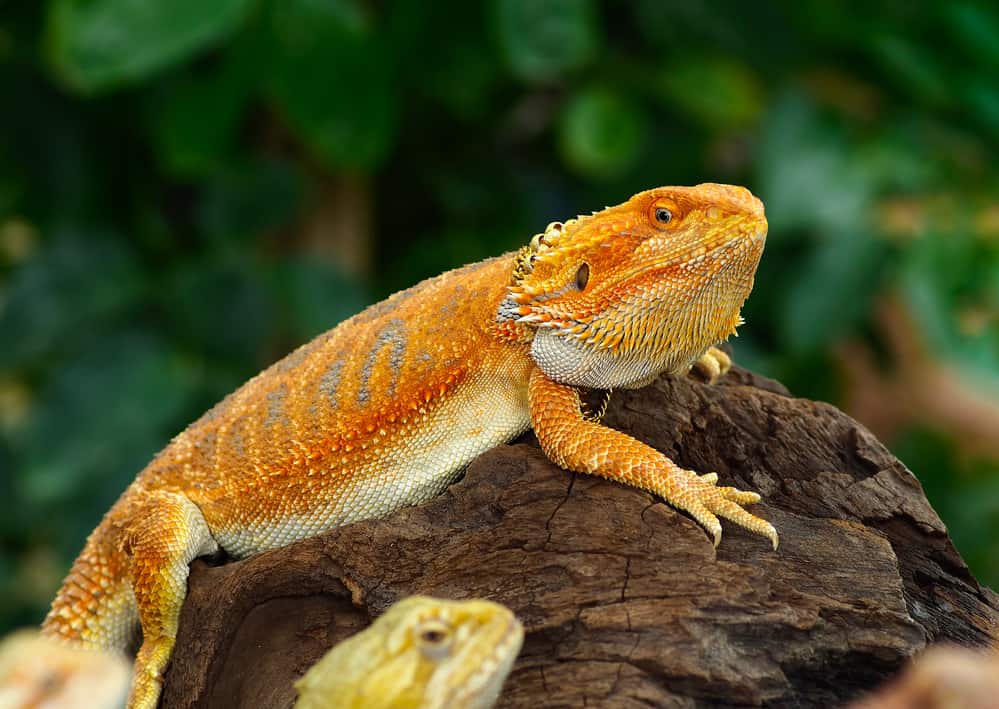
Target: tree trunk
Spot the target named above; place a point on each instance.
(624, 600)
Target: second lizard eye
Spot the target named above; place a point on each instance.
(433, 637)
(583, 276)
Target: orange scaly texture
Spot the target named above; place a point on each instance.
(385, 409)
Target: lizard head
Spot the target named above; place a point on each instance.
(619, 296)
(423, 651)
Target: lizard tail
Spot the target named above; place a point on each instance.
(95, 607)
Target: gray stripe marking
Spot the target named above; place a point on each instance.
(394, 336)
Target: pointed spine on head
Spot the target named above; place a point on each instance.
(515, 306)
(524, 263)
(534, 303)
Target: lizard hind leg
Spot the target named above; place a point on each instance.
(133, 570)
(165, 534)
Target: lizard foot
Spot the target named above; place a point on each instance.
(705, 501)
(712, 365)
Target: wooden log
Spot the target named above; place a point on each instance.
(625, 601)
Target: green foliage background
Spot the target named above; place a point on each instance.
(163, 165)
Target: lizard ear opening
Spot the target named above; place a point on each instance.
(583, 276)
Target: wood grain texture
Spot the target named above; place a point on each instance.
(624, 600)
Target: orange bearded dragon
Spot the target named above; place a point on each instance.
(387, 408)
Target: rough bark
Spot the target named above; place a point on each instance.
(625, 601)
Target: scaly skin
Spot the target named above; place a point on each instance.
(385, 409)
(422, 653)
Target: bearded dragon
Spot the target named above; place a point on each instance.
(387, 408)
(422, 653)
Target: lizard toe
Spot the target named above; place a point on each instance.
(712, 365)
(706, 502)
(741, 497)
(708, 520)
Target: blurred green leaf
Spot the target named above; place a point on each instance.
(113, 406)
(317, 297)
(832, 291)
(975, 28)
(58, 296)
(299, 21)
(943, 274)
(435, 252)
(8, 522)
(543, 39)
(719, 94)
(976, 504)
(195, 120)
(914, 67)
(10, 191)
(462, 73)
(249, 198)
(807, 177)
(220, 308)
(982, 96)
(669, 23)
(601, 133)
(99, 44)
(466, 80)
(896, 163)
(348, 118)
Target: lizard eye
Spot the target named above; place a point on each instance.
(583, 276)
(663, 215)
(434, 638)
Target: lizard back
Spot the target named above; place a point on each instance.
(381, 411)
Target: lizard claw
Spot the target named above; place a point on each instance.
(706, 502)
(712, 365)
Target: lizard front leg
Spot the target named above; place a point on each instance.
(576, 443)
